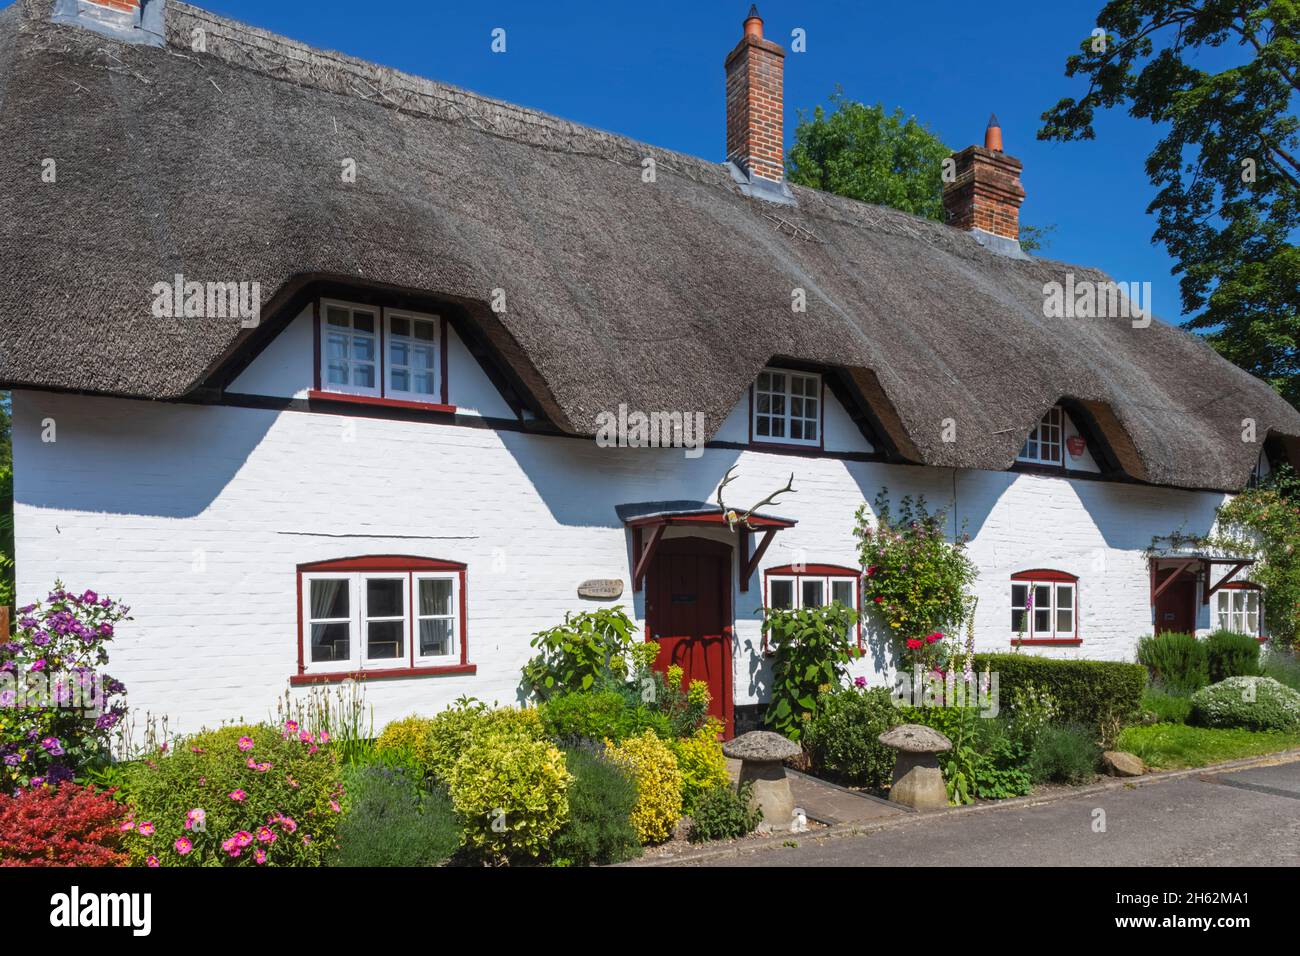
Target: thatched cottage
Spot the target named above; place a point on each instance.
(333, 371)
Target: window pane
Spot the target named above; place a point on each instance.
(1043, 597)
(365, 375)
(401, 380)
(384, 639)
(330, 642)
(329, 599)
(336, 347)
(1042, 620)
(422, 358)
(1018, 620)
(400, 326)
(363, 348)
(1064, 621)
(778, 428)
(782, 594)
(1018, 594)
(810, 431)
(796, 428)
(423, 383)
(363, 321)
(435, 596)
(336, 316)
(399, 353)
(435, 637)
(844, 591)
(814, 592)
(384, 597)
(424, 331)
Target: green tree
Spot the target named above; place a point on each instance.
(1226, 171)
(864, 153)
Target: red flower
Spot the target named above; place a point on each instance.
(871, 570)
(878, 599)
(913, 643)
(936, 636)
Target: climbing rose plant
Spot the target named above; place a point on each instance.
(58, 709)
(1264, 523)
(915, 580)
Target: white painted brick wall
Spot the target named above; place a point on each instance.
(198, 517)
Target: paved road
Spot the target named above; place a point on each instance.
(1243, 818)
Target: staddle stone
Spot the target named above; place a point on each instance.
(918, 779)
(762, 754)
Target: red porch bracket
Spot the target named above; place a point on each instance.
(1236, 569)
(749, 564)
(646, 555)
(1184, 566)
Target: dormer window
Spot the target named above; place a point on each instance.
(788, 408)
(381, 356)
(1046, 441)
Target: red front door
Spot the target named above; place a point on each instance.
(688, 612)
(1176, 605)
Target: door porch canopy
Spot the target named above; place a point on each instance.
(648, 520)
(1200, 566)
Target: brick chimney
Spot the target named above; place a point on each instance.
(755, 104)
(132, 21)
(986, 194)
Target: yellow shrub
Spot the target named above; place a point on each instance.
(435, 743)
(700, 761)
(658, 783)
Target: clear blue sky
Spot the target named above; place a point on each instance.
(654, 71)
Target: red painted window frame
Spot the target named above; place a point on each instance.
(818, 571)
(318, 393)
(397, 563)
(1049, 576)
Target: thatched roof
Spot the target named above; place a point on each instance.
(226, 166)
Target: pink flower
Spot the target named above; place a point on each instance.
(324, 737)
(184, 846)
(239, 796)
(127, 826)
(243, 838)
(305, 737)
(145, 829)
(288, 823)
(195, 818)
(230, 846)
(245, 743)
(290, 727)
(266, 835)
(260, 856)
(334, 804)
(859, 682)
(152, 861)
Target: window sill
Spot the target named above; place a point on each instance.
(761, 443)
(1046, 642)
(395, 673)
(316, 395)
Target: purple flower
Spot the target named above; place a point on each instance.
(107, 721)
(38, 666)
(11, 760)
(90, 597)
(26, 622)
(27, 609)
(106, 630)
(106, 602)
(40, 638)
(859, 682)
(53, 745)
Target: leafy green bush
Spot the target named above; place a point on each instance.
(1168, 707)
(724, 813)
(1253, 703)
(601, 798)
(391, 819)
(600, 715)
(511, 794)
(1032, 711)
(583, 652)
(1100, 695)
(658, 783)
(841, 740)
(1177, 660)
(701, 763)
(239, 796)
(811, 649)
(1232, 655)
(1064, 754)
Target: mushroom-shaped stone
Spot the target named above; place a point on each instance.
(918, 781)
(762, 755)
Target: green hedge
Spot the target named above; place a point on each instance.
(1092, 693)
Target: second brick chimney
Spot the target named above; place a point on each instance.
(755, 104)
(985, 194)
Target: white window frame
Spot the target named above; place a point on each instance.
(453, 651)
(352, 309)
(353, 661)
(787, 416)
(1054, 420)
(434, 344)
(797, 581)
(403, 659)
(1053, 632)
(1236, 611)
